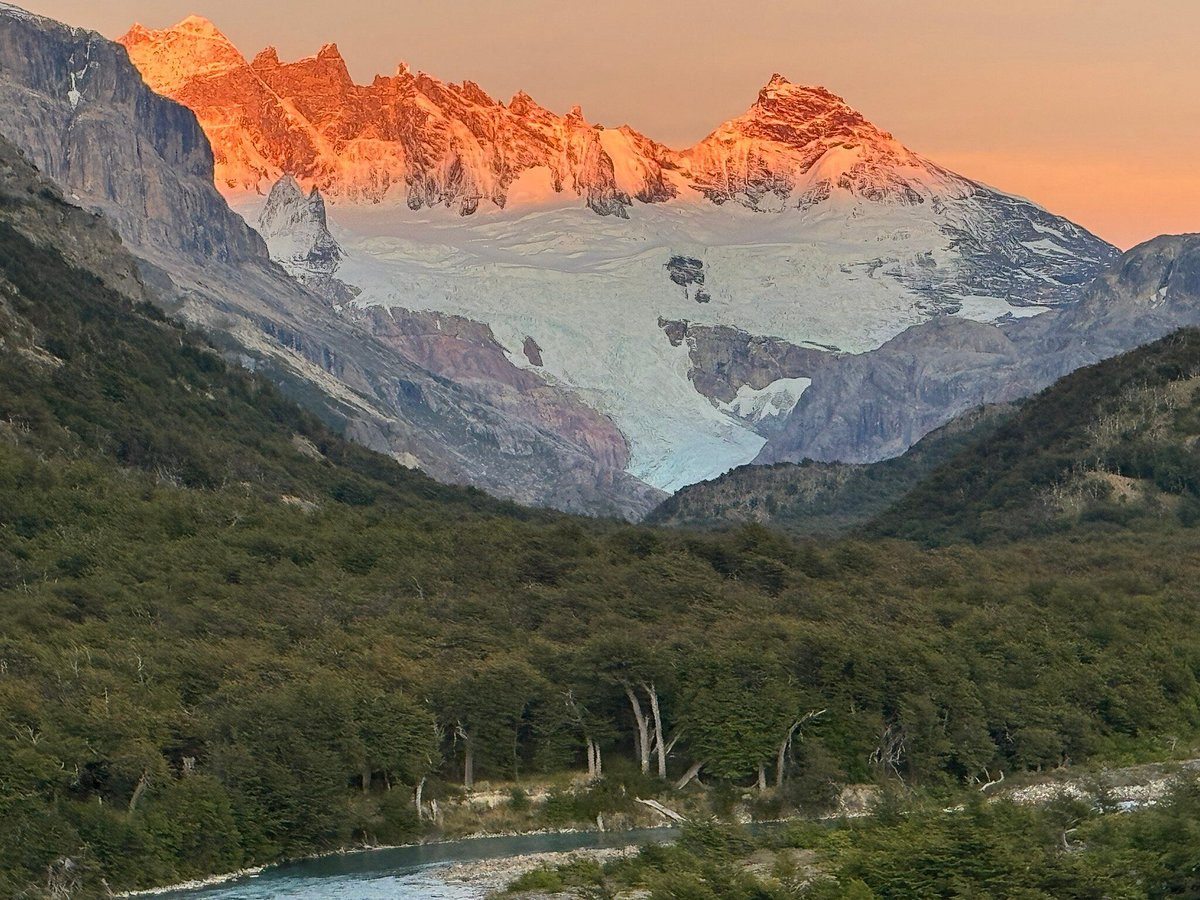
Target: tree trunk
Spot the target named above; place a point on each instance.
(781, 757)
(643, 732)
(143, 783)
(591, 755)
(659, 744)
(468, 763)
(516, 754)
(762, 778)
(366, 780)
(599, 763)
(689, 775)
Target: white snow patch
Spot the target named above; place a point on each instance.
(989, 309)
(776, 399)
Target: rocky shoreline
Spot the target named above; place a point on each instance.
(468, 873)
(496, 874)
(1126, 787)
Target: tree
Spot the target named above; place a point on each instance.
(484, 710)
(399, 738)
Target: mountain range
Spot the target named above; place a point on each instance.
(232, 637)
(799, 223)
(561, 313)
(79, 110)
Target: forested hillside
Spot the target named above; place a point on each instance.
(1116, 444)
(819, 499)
(227, 636)
(1111, 445)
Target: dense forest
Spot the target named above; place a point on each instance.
(227, 636)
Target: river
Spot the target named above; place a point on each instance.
(401, 873)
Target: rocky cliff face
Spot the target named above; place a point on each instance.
(70, 97)
(1149, 292)
(871, 406)
(406, 136)
(34, 206)
(79, 110)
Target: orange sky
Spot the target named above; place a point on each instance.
(1090, 107)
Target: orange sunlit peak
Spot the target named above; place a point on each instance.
(198, 25)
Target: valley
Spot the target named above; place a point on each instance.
(382, 464)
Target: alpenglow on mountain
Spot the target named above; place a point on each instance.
(689, 295)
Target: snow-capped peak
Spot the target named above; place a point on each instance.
(425, 143)
(172, 58)
(200, 26)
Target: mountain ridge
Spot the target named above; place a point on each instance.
(439, 143)
(80, 111)
(801, 223)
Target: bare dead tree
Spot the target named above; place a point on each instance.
(643, 729)
(656, 712)
(892, 749)
(143, 783)
(781, 757)
(592, 746)
(990, 782)
(690, 774)
(463, 734)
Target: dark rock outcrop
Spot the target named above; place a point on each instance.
(532, 351)
(726, 359)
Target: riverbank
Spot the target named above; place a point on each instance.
(196, 883)
(494, 875)
(1125, 787)
(466, 873)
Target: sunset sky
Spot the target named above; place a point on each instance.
(1090, 107)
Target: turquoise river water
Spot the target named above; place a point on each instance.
(403, 873)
